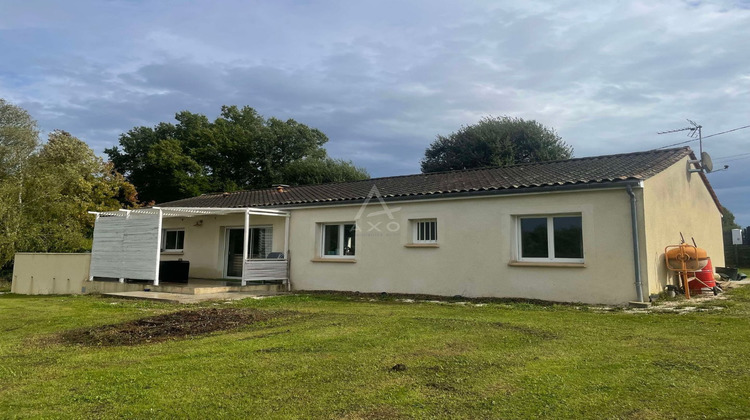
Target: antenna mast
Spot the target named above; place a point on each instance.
(696, 130)
(700, 134)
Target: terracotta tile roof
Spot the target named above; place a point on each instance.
(543, 175)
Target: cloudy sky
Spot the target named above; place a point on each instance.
(383, 78)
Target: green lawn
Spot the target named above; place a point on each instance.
(333, 359)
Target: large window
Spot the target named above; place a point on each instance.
(173, 240)
(339, 240)
(425, 231)
(551, 238)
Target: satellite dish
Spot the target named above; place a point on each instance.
(706, 162)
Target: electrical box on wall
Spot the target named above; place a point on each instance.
(736, 236)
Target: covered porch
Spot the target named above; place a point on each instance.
(248, 245)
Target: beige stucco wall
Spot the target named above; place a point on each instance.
(477, 241)
(45, 274)
(676, 201)
(205, 240)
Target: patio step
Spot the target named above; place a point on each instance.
(201, 290)
(193, 288)
(189, 298)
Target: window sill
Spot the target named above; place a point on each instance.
(546, 264)
(333, 260)
(426, 245)
(172, 253)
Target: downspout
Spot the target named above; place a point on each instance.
(636, 247)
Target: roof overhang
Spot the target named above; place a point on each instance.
(166, 212)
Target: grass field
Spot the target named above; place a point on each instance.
(332, 356)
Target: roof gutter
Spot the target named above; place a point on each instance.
(636, 247)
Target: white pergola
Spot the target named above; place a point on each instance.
(128, 244)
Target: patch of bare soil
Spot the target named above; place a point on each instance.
(171, 326)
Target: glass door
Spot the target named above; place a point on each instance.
(261, 244)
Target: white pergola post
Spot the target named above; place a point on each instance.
(286, 236)
(245, 245)
(286, 252)
(96, 219)
(158, 249)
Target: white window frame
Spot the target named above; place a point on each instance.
(340, 247)
(415, 231)
(550, 239)
(164, 240)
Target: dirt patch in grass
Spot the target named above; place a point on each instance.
(171, 326)
(420, 298)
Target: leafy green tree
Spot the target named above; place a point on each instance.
(66, 180)
(239, 150)
(19, 138)
(255, 150)
(495, 141)
(319, 171)
(173, 174)
(46, 192)
(727, 222)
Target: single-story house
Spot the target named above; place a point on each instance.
(589, 229)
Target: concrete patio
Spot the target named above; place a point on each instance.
(196, 290)
(191, 298)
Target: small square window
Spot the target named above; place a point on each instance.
(173, 240)
(338, 240)
(425, 231)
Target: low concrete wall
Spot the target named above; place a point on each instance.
(50, 274)
(112, 287)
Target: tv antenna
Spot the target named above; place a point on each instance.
(706, 165)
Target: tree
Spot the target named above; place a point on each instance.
(495, 141)
(46, 192)
(239, 150)
(319, 171)
(255, 151)
(727, 222)
(19, 138)
(66, 180)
